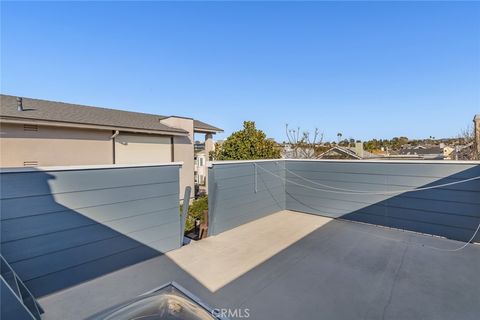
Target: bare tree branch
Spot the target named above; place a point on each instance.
(303, 144)
(467, 151)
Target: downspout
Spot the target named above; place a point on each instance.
(115, 134)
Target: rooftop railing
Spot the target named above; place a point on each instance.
(439, 198)
(61, 226)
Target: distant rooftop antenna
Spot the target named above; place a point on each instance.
(19, 104)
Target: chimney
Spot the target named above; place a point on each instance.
(19, 104)
(359, 148)
(476, 129)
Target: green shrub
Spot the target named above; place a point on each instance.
(195, 211)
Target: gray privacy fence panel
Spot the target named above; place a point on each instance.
(239, 193)
(11, 306)
(63, 227)
(451, 211)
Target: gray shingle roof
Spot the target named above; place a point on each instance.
(199, 125)
(422, 151)
(341, 150)
(36, 109)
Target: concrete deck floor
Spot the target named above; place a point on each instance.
(297, 266)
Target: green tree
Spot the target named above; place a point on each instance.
(339, 136)
(344, 143)
(351, 142)
(195, 211)
(247, 144)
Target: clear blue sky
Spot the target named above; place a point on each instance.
(364, 69)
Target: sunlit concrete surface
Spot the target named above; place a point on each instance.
(298, 266)
(218, 260)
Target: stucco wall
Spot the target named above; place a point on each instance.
(142, 148)
(54, 146)
(61, 146)
(183, 150)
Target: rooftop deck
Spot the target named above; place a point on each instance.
(288, 239)
(291, 265)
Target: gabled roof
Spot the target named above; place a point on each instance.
(201, 126)
(52, 111)
(340, 150)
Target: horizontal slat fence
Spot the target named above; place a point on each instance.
(332, 189)
(451, 211)
(63, 227)
(240, 193)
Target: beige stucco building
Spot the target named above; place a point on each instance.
(45, 133)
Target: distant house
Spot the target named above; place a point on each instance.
(470, 149)
(463, 152)
(339, 152)
(322, 151)
(448, 152)
(289, 151)
(439, 152)
(201, 167)
(46, 133)
(355, 153)
(414, 153)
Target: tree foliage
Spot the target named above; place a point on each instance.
(247, 144)
(395, 143)
(195, 211)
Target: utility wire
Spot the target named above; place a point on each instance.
(349, 191)
(359, 192)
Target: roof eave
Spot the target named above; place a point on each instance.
(55, 123)
(207, 130)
